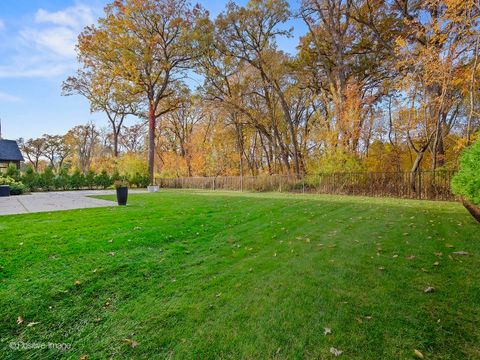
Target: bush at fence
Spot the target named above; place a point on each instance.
(139, 180)
(466, 182)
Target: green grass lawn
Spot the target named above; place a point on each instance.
(227, 275)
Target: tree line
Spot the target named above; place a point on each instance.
(373, 85)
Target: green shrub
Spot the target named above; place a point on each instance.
(16, 187)
(103, 181)
(466, 182)
(30, 179)
(13, 172)
(6, 180)
(77, 180)
(90, 179)
(62, 181)
(45, 180)
(139, 180)
(115, 176)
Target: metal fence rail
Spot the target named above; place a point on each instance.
(431, 185)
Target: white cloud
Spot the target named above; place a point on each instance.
(58, 40)
(4, 97)
(37, 70)
(46, 46)
(75, 16)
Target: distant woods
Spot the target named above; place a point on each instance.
(373, 86)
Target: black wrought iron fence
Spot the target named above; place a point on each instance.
(431, 185)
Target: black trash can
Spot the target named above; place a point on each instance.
(4, 190)
(122, 195)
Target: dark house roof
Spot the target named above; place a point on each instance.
(9, 151)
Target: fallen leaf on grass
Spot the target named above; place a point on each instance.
(77, 282)
(20, 320)
(336, 352)
(327, 331)
(429, 290)
(83, 357)
(461, 253)
(411, 257)
(449, 246)
(31, 324)
(436, 263)
(418, 354)
(131, 343)
(111, 253)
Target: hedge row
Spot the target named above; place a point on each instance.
(49, 181)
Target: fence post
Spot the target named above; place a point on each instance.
(213, 183)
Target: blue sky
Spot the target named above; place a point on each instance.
(37, 39)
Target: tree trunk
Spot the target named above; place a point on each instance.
(414, 171)
(472, 209)
(151, 141)
(115, 143)
(188, 162)
(472, 93)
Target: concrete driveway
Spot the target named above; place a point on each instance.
(54, 201)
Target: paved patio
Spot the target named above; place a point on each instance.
(55, 201)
